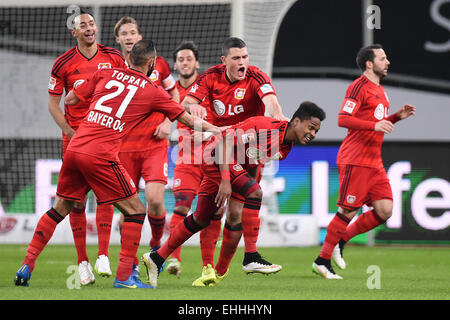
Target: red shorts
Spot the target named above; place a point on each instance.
(362, 185)
(65, 143)
(242, 183)
(152, 164)
(187, 177)
(186, 182)
(81, 172)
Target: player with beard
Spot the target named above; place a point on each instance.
(139, 157)
(69, 70)
(362, 177)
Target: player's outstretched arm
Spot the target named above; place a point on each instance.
(58, 116)
(198, 124)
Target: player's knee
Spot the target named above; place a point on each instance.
(384, 214)
(181, 209)
(155, 205)
(258, 193)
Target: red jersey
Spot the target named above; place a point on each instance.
(257, 140)
(186, 134)
(72, 68)
(368, 102)
(138, 138)
(120, 100)
(232, 102)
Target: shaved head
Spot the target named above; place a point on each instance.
(84, 17)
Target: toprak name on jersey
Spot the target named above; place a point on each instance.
(119, 83)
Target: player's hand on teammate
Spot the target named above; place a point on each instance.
(197, 111)
(384, 126)
(162, 131)
(281, 117)
(224, 193)
(406, 111)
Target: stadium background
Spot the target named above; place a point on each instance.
(307, 46)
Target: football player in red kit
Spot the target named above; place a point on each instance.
(362, 177)
(69, 70)
(119, 100)
(237, 91)
(188, 172)
(229, 157)
(140, 158)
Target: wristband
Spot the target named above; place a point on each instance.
(225, 175)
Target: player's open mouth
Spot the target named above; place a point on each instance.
(89, 36)
(308, 139)
(241, 71)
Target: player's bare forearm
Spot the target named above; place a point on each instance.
(273, 107)
(58, 116)
(71, 98)
(197, 124)
(225, 189)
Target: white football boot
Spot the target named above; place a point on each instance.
(103, 267)
(86, 274)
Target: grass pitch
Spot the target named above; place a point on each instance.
(373, 273)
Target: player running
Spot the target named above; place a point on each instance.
(362, 177)
(69, 70)
(237, 91)
(230, 156)
(119, 100)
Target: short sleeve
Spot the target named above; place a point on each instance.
(85, 90)
(163, 103)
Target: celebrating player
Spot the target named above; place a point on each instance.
(246, 145)
(69, 70)
(362, 176)
(139, 157)
(237, 91)
(188, 173)
(120, 99)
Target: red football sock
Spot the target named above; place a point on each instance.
(105, 213)
(177, 217)
(335, 231)
(250, 223)
(130, 238)
(208, 241)
(77, 218)
(365, 222)
(157, 224)
(42, 234)
(230, 241)
(181, 233)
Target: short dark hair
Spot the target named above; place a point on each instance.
(307, 110)
(232, 42)
(366, 54)
(142, 51)
(186, 45)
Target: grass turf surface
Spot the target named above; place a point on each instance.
(405, 273)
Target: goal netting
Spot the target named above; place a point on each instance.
(34, 33)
